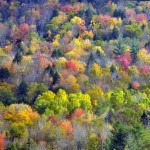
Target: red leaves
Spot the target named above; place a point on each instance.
(77, 113)
(124, 59)
(24, 27)
(140, 17)
(67, 8)
(104, 20)
(145, 69)
(20, 33)
(70, 66)
(2, 141)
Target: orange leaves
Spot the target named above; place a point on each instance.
(43, 60)
(2, 141)
(67, 127)
(21, 113)
(8, 48)
(136, 85)
(77, 113)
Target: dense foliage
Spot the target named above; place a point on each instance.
(74, 74)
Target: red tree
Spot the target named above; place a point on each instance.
(140, 17)
(145, 69)
(124, 59)
(66, 8)
(70, 66)
(2, 141)
(20, 33)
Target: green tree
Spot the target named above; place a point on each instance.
(117, 98)
(44, 101)
(34, 90)
(22, 92)
(134, 49)
(119, 135)
(51, 103)
(56, 78)
(133, 31)
(120, 46)
(17, 130)
(18, 57)
(79, 100)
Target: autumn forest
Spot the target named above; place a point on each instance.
(74, 75)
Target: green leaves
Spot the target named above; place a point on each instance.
(60, 103)
(120, 46)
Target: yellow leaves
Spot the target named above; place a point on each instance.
(87, 44)
(106, 21)
(6, 86)
(96, 94)
(113, 6)
(88, 34)
(2, 51)
(34, 46)
(133, 70)
(60, 63)
(26, 59)
(71, 55)
(71, 80)
(80, 65)
(20, 113)
(98, 48)
(77, 20)
(59, 19)
(119, 22)
(144, 56)
(78, 42)
(8, 48)
(55, 43)
(95, 103)
(96, 70)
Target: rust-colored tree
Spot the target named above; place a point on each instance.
(2, 141)
(20, 33)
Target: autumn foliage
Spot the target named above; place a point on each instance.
(20, 33)
(124, 59)
(70, 66)
(2, 141)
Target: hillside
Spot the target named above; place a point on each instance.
(74, 75)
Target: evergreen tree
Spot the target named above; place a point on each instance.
(4, 73)
(17, 58)
(22, 92)
(134, 49)
(56, 78)
(119, 45)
